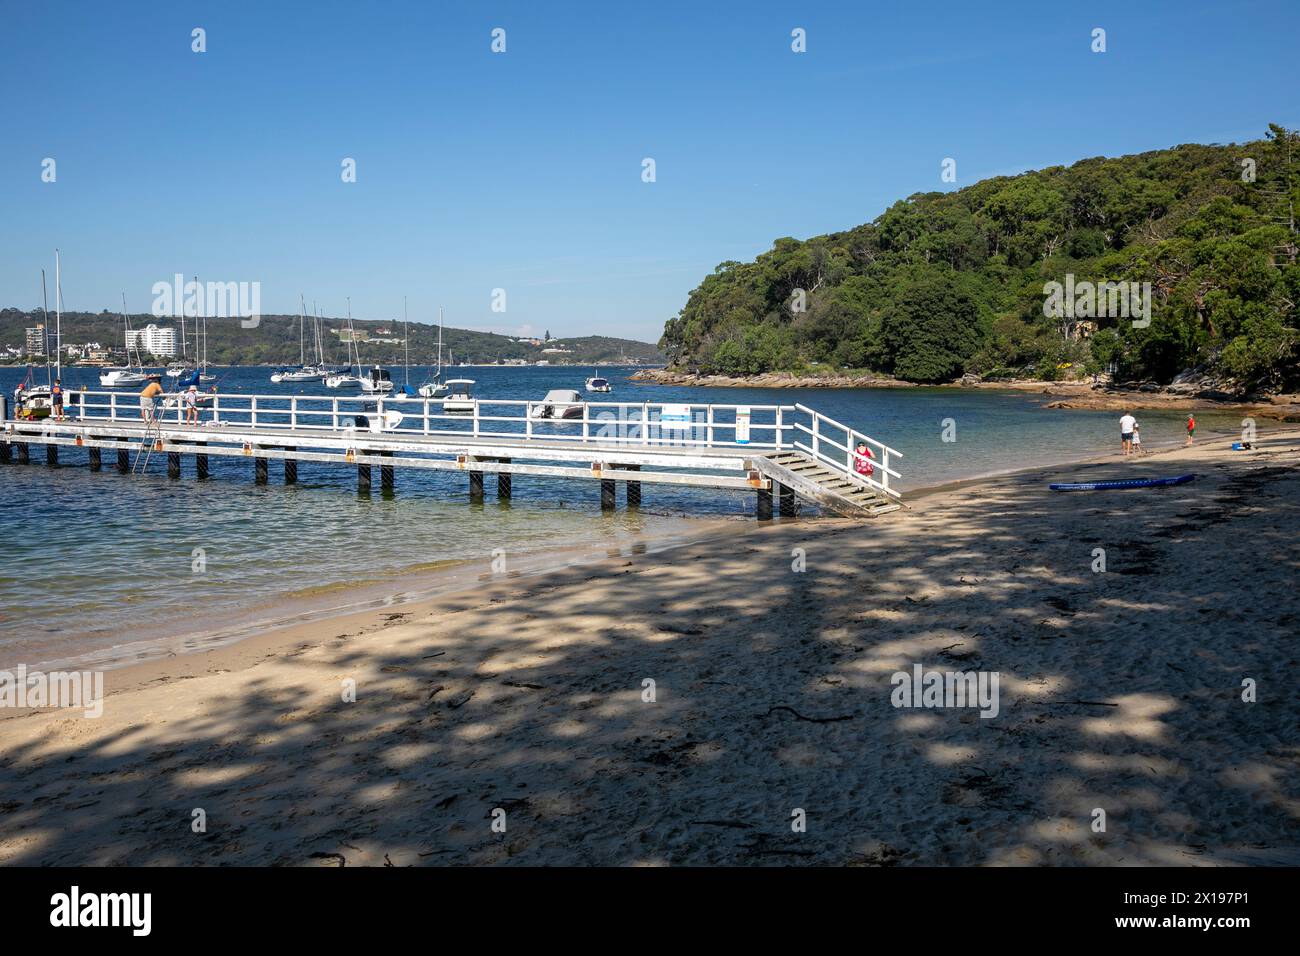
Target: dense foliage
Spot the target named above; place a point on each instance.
(947, 283)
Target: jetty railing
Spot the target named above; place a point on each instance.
(693, 425)
(820, 435)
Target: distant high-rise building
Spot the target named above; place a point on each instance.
(36, 340)
(153, 340)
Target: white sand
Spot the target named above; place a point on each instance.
(526, 695)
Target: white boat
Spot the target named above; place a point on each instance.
(310, 373)
(121, 378)
(377, 381)
(558, 403)
(177, 369)
(342, 380)
(345, 378)
(132, 373)
(302, 372)
(598, 384)
(460, 396)
(376, 423)
(435, 387)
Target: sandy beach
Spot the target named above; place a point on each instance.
(523, 701)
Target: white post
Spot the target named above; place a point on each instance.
(816, 434)
(585, 410)
(252, 413)
(476, 418)
(426, 416)
(708, 428)
(112, 406)
(293, 412)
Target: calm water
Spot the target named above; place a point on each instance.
(92, 561)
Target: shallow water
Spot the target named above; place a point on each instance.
(91, 561)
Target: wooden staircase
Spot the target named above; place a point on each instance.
(824, 485)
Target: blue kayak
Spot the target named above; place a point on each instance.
(1117, 485)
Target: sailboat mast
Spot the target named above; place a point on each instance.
(198, 311)
(58, 319)
(45, 335)
(439, 373)
(302, 330)
(406, 341)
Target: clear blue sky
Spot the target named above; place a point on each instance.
(523, 170)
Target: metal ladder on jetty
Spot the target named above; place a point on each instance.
(152, 437)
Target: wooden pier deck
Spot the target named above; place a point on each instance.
(775, 451)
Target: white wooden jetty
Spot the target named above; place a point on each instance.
(772, 450)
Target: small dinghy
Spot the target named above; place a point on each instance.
(1119, 485)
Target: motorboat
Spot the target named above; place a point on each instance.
(460, 396)
(598, 384)
(379, 380)
(122, 378)
(558, 403)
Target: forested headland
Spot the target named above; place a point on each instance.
(946, 284)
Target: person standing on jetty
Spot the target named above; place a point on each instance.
(147, 398)
(192, 405)
(1126, 425)
(1191, 427)
(56, 400)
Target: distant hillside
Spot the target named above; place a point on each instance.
(275, 341)
(943, 284)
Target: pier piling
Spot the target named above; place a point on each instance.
(764, 511)
(503, 482)
(24, 455)
(386, 473)
(290, 468)
(259, 470)
(786, 496)
(606, 494)
(363, 479)
(51, 455)
(96, 462)
(633, 489)
(476, 486)
(6, 452)
(173, 464)
(201, 464)
(123, 458)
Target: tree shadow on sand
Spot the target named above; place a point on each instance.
(1120, 691)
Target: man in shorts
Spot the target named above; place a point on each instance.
(148, 398)
(1126, 425)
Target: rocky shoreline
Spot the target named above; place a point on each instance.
(1086, 395)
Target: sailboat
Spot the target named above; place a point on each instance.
(204, 375)
(346, 379)
(183, 366)
(406, 390)
(131, 375)
(301, 372)
(37, 401)
(377, 380)
(435, 387)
